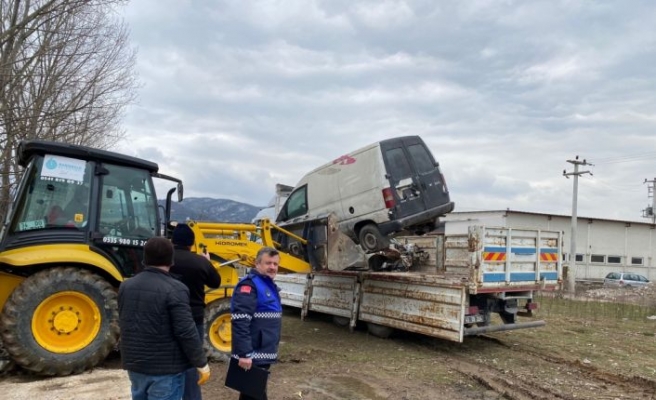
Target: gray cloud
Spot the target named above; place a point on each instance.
(238, 96)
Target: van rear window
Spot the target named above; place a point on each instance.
(398, 163)
(421, 158)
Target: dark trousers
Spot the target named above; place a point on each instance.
(244, 397)
(191, 388)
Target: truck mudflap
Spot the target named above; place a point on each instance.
(479, 330)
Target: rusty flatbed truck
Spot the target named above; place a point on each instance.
(472, 274)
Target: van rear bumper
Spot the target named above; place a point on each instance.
(417, 219)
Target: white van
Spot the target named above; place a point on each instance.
(386, 187)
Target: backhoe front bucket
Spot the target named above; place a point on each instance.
(326, 246)
(342, 252)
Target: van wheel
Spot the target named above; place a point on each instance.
(371, 239)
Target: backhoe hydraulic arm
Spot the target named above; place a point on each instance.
(239, 243)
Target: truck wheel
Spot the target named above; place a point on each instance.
(508, 318)
(218, 330)
(60, 321)
(379, 330)
(371, 239)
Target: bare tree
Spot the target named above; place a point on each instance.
(66, 74)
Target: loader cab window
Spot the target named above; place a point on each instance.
(128, 207)
(295, 206)
(55, 194)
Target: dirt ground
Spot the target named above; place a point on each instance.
(589, 349)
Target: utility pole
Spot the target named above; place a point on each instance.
(649, 211)
(571, 275)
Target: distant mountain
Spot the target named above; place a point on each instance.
(207, 209)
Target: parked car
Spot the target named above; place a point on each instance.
(625, 279)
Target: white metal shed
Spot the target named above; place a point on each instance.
(603, 245)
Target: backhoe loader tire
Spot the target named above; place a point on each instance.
(371, 239)
(218, 330)
(60, 321)
(6, 363)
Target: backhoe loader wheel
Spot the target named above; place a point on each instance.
(60, 321)
(218, 330)
(6, 363)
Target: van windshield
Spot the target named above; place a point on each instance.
(296, 204)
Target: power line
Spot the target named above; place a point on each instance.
(628, 188)
(627, 158)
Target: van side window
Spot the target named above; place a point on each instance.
(398, 163)
(297, 204)
(421, 158)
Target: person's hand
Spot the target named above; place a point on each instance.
(203, 374)
(246, 363)
(206, 255)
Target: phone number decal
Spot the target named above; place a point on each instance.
(123, 241)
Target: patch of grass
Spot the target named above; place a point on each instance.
(593, 309)
(616, 337)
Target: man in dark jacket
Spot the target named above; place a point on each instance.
(196, 272)
(257, 314)
(159, 341)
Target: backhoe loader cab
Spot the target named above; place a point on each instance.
(76, 229)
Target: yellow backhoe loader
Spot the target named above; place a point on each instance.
(76, 229)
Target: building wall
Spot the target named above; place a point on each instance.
(602, 246)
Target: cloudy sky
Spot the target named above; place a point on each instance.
(240, 95)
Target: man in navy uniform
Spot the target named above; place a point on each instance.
(257, 314)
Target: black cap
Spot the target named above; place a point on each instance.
(183, 235)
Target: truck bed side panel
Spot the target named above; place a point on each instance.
(330, 294)
(427, 304)
(427, 307)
